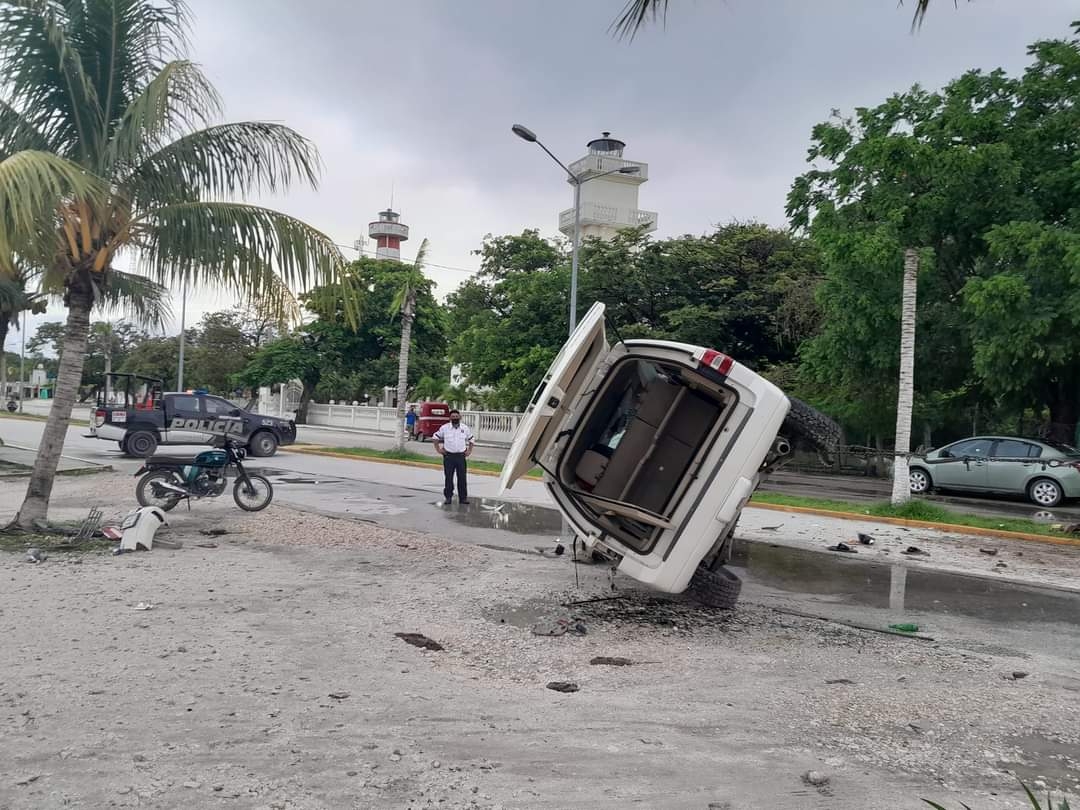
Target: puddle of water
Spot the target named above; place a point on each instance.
(1053, 761)
(901, 587)
(512, 516)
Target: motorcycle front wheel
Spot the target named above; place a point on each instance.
(150, 491)
(253, 496)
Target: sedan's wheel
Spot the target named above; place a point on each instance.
(716, 589)
(1045, 492)
(919, 481)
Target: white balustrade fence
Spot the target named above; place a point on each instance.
(490, 427)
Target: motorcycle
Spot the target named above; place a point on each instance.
(167, 480)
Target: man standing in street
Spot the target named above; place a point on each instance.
(410, 422)
(454, 442)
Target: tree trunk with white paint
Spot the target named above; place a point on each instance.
(407, 314)
(901, 489)
(35, 506)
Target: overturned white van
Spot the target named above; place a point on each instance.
(651, 448)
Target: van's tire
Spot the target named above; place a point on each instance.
(718, 589)
(263, 444)
(807, 425)
(140, 444)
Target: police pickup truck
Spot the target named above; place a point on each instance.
(133, 411)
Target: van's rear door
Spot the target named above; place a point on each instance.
(572, 367)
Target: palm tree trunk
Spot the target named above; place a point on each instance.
(35, 506)
(403, 374)
(901, 488)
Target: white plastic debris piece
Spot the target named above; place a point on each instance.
(145, 606)
(139, 527)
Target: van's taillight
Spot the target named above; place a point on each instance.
(99, 417)
(716, 361)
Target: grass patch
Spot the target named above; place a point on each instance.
(33, 417)
(913, 510)
(21, 541)
(419, 458)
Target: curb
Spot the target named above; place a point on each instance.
(949, 528)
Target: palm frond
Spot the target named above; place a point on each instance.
(138, 298)
(43, 71)
(225, 161)
(33, 185)
(18, 131)
(178, 98)
(635, 14)
(247, 249)
(921, 7)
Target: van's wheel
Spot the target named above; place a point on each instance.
(718, 589)
(141, 444)
(263, 444)
(813, 427)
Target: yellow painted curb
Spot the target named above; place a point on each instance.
(399, 462)
(952, 528)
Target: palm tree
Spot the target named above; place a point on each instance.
(637, 12)
(404, 303)
(901, 486)
(110, 146)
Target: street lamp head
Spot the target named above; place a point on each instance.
(630, 170)
(524, 133)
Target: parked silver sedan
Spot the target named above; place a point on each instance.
(1044, 471)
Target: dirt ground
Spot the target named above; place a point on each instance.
(267, 674)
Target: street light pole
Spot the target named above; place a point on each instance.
(577, 180)
(22, 364)
(183, 318)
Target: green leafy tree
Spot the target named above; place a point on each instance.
(154, 357)
(220, 351)
(108, 144)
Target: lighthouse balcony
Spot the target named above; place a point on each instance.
(600, 164)
(383, 228)
(608, 216)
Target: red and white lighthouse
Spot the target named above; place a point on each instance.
(388, 234)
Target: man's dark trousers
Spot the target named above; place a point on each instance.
(455, 463)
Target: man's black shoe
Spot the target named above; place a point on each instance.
(447, 502)
(465, 502)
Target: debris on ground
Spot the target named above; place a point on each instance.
(866, 539)
(551, 627)
(144, 606)
(35, 555)
(1018, 675)
(206, 545)
(420, 640)
(563, 686)
(112, 533)
(915, 551)
(772, 528)
(89, 527)
(905, 628)
(604, 660)
(843, 547)
(213, 532)
(338, 695)
(815, 779)
(835, 681)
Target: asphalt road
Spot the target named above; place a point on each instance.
(383, 480)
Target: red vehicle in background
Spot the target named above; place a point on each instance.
(433, 415)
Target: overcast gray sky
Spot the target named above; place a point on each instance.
(419, 96)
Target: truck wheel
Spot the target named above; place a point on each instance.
(715, 589)
(263, 444)
(812, 427)
(141, 444)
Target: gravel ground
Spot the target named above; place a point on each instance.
(268, 675)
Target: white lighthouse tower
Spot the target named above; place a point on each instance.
(388, 234)
(608, 204)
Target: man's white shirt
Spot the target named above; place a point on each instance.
(454, 439)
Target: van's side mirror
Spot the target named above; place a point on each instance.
(945, 454)
(236, 412)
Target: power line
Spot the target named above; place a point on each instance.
(426, 264)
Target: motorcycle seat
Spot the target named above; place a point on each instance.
(170, 461)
